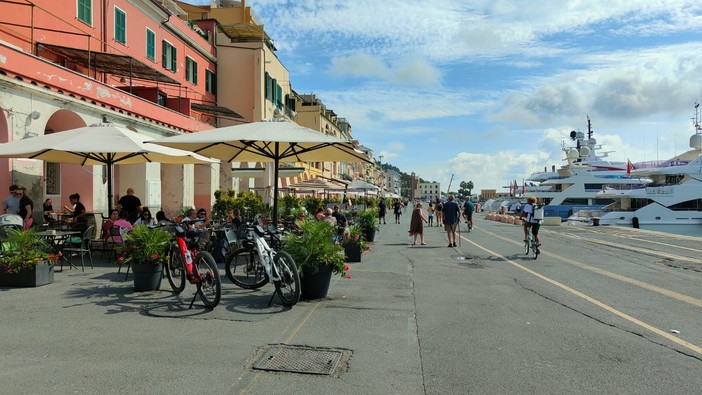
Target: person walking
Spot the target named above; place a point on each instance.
(382, 209)
(11, 204)
(468, 213)
(417, 221)
(451, 212)
(439, 213)
(430, 212)
(397, 209)
(26, 207)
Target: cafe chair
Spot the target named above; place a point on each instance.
(82, 248)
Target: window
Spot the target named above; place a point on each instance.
(150, 44)
(267, 84)
(120, 26)
(191, 70)
(85, 11)
(169, 56)
(52, 178)
(210, 82)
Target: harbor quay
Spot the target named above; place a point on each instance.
(601, 310)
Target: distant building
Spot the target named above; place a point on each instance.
(428, 191)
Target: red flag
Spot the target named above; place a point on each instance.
(629, 167)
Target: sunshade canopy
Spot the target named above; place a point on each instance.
(362, 186)
(98, 145)
(256, 142)
(267, 141)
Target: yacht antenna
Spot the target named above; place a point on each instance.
(589, 128)
(696, 120)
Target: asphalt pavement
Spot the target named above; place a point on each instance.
(406, 322)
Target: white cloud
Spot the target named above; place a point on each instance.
(406, 72)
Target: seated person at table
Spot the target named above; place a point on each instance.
(234, 217)
(122, 224)
(76, 208)
(191, 219)
(107, 225)
(161, 218)
(145, 219)
(48, 211)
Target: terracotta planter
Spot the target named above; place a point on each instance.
(147, 277)
(315, 285)
(353, 253)
(41, 274)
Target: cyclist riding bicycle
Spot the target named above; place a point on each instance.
(527, 215)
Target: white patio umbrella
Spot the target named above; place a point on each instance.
(267, 141)
(360, 185)
(104, 144)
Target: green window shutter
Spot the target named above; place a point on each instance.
(150, 44)
(267, 85)
(164, 51)
(120, 26)
(173, 59)
(195, 73)
(187, 69)
(85, 12)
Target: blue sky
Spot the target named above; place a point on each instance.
(489, 90)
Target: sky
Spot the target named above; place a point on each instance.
(489, 90)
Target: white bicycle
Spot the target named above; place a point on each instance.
(256, 263)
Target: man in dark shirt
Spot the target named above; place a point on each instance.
(130, 203)
(452, 214)
(340, 220)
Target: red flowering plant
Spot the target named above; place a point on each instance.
(143, 245)
(23, 250)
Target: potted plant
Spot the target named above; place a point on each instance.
(317, 257)
(354, 242)
(25, 260)
(145, 249)
(368, 221)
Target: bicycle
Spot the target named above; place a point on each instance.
(185, 252)
(530, 243)
(256, 264)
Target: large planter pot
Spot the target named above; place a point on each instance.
(147, 277)
(41, 274)
(353, 253)
(369, 233)
(315, 285)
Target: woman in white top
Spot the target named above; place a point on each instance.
(145, 218)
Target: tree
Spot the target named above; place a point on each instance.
(466, 188)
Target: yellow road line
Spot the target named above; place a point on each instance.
(663, 291)
(693, 347)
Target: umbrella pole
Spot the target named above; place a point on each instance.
(109, 188)
(275, 186)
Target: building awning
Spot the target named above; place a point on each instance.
(110, 63)
(245, 32)
(215, 110)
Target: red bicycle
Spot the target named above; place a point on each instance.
(186, 260)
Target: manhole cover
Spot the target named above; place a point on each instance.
(299, 359)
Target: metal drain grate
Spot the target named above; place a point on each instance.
(297, 359)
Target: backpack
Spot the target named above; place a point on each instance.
(538, 212)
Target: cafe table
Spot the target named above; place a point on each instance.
(55, 238)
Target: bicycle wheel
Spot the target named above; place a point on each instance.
(243, 268)
(288, 287)
(526, 246)
(175, 270)
(535, 251)
(210, 289)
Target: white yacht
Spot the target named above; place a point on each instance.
(575, 185)
(672, 203)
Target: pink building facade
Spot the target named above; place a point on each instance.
(72, 63)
